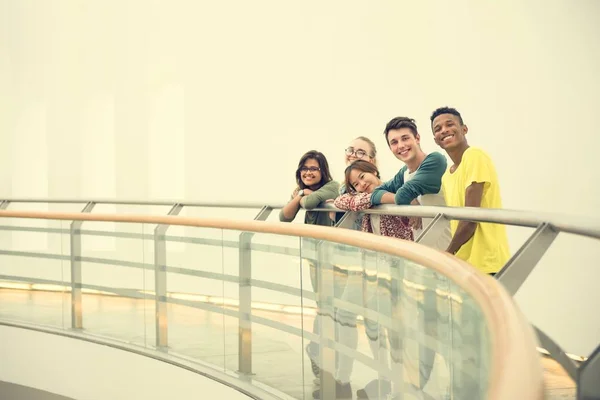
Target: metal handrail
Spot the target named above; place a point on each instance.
(579, 225)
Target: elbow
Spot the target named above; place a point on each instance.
(309, 205)
(376, 197)
(472, 227)
(402, 200)
(469, 228)
(283, 218)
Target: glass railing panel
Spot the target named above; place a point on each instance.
(311, 320)
(43, 207)
(416, 333)
(136, 209)
(421, 318)
(277, 312)
(283, 312)
(356, 318)
(115, 259)
(34, 271)
(235, 290)
(470, 347)
(241, 214)
(197, 309)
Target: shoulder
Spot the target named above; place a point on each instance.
(343, 190)
(476, 154)
(400, 173)
(435, 158)
(332, 185)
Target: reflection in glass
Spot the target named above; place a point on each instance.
(304, 317)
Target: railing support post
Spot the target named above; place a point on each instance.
(520, 265)
(160, 280)
(433, 231)
(326, 314)
(557, 353)
(245, 297)
(75, 236)
(348, 220)
(588, 384)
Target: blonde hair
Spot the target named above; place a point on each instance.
(373, 154)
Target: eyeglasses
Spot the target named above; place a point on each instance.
(311, 169)
(358, 153)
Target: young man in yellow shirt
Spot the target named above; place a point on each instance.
(470, 182)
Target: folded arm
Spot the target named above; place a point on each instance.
(427, 180)
(385, 193)
(353, 202)
(328, 191)
(289, 211)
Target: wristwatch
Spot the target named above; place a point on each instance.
(301, 192)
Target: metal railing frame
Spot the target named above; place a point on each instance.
(512, 275)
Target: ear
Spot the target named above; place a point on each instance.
(465, 129)
(418, 138)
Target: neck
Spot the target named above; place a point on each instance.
(415, 163)
(456, 154)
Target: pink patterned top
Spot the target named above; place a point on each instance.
(390, 225)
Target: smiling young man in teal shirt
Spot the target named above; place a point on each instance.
(419, 181)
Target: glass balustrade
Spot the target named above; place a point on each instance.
(294, 316)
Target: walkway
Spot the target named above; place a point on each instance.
(278, 358)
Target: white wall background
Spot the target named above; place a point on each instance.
(210, 101)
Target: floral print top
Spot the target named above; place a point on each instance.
(390, 225)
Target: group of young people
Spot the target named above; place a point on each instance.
(424, 179)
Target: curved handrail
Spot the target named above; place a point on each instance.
(515, 369)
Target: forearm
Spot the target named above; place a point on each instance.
(388, 198)
(314, 199)
(466, 229)
(349, 202)
(390, 186)
(289, 211)
(464, 232)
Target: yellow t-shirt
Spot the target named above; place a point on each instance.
(487, 250)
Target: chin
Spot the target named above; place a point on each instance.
(450, 146)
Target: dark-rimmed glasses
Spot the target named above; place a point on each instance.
(358, 153)
(311, 169)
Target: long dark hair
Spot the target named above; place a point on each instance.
(323, 165)
(362, 166)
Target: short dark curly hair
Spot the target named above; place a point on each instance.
(399, 123)
(445, 110)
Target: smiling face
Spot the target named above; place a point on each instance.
(359, 150)
(404, 144)
(363, 182)
(448, 132)
(310, 173)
